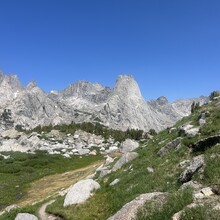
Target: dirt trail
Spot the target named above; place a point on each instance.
(45, 216)
(50, 186)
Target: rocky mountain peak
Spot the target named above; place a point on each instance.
(31, 85)
(10, 81)
(127, 87)
(162, 100)
(93, 92)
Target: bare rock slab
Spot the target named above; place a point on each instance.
(129, 211)
(80, 192)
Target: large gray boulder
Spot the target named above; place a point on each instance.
(129, 211)
(194, 166)
(124, 159)
(128, 145)
(25, 216)
(80, 192)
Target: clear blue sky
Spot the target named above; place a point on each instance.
(171, 47)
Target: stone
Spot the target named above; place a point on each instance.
(124, 159)
(192, 184)
(66, 155)
(25, 216)
(170, 146)
(83, 151)
(104, 172)
(108, 160)
(150, 170)
(11, 207)
(202, 122)
(172, 130)
(177, 216)
(116, 181)
(188, 130)
(111, 149)
(129, 210)
(128, 145)
(80, 192)
(194, 166)
(207, 191)
(94, 152)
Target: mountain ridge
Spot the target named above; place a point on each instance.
(121, 108)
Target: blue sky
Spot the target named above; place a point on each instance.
(171, 47)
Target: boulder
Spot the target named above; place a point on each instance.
(202, 122)
(188, 130)
(83, 151)
(11, 134)
(124, 159)
(194, 166)
(104, 172)
(150, 170)
(111, 149)
(206, 143)
(128, 145)
(170, 146)
(80, 192)
(129, 211)
(108, 160)
(25, 216)
(116, 181)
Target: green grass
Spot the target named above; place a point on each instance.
(135, 180)
(17, 172)
(201, 213)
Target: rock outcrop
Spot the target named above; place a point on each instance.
(129, 211)
(194, 166)
(170, 146)
(206, 143)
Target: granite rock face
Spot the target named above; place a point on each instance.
(120, 108)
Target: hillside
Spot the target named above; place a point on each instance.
(173, 175)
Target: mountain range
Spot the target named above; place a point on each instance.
(121, 108)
